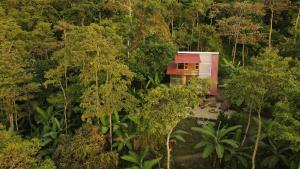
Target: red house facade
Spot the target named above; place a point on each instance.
(195, 64)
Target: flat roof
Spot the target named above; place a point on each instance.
(196, 52)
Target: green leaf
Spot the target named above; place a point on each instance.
(130, 158)
(230, 142)
(179, 137)
(200, 144)
(180, 132)
(145, 152)
(51, 134)
(243, 161)
(204, 131)
(104, 130)
(228, 130)
(207, 151)
(220, 150)
(133, 167)
(273, 162)
(104, 120)
(150, 163)
(42, 114)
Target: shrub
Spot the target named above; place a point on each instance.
(86, 149)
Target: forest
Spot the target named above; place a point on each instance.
(83, 84)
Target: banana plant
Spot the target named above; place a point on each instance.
(178, 135)
(50, 130)
(118, 124)
(153, 81)
(139, 160)
(121, 131)
(215, 141)
(275, 154)
(123, 141)
(237, 158)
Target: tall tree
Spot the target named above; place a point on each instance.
(275, 6)
(16, 80)
(240, 27)
(165, 107)
(259, 85)
(103, 73)
(59, 75)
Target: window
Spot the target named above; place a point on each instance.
(185, 66)
(175, 79)
(182, 66)
(197, 66)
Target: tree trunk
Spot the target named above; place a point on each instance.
(243, 54)
(257, 139)
(110, 132)
(296, 25)
(172, 27)
(10, 115)
(65, 106)
(16, 114)
(247, 128)
(234, 50)
(271, 28)
(168, 148)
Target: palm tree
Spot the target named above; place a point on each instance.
(215, 141)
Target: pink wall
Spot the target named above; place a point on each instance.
(214, 75)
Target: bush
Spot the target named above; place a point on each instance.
(86, 149)
(19, 153)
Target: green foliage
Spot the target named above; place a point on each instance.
(103, 74)
(16, 80)
(165, 106)
(140, 161)
(272, 79)
(48, 129)
(178, 135)
(92, 55)
(286, 125)
(18, 153)
(216, 141)
(274, 154)
(90, 154)
(151, 58)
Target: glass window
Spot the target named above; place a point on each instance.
(180, 66)
(185, 66)
(197, 66)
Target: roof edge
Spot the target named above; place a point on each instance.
(196, 52)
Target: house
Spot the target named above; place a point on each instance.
(195, 64)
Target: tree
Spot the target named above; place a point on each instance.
(149, 21)
(275, 6)
(42, 41)
(19, 153)
(216, 140)
(165, 107)
(16, 78)
(151, 57)
(240, 25)
(260, 85)
(64, 58)
(103, 73)
(90, 154)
